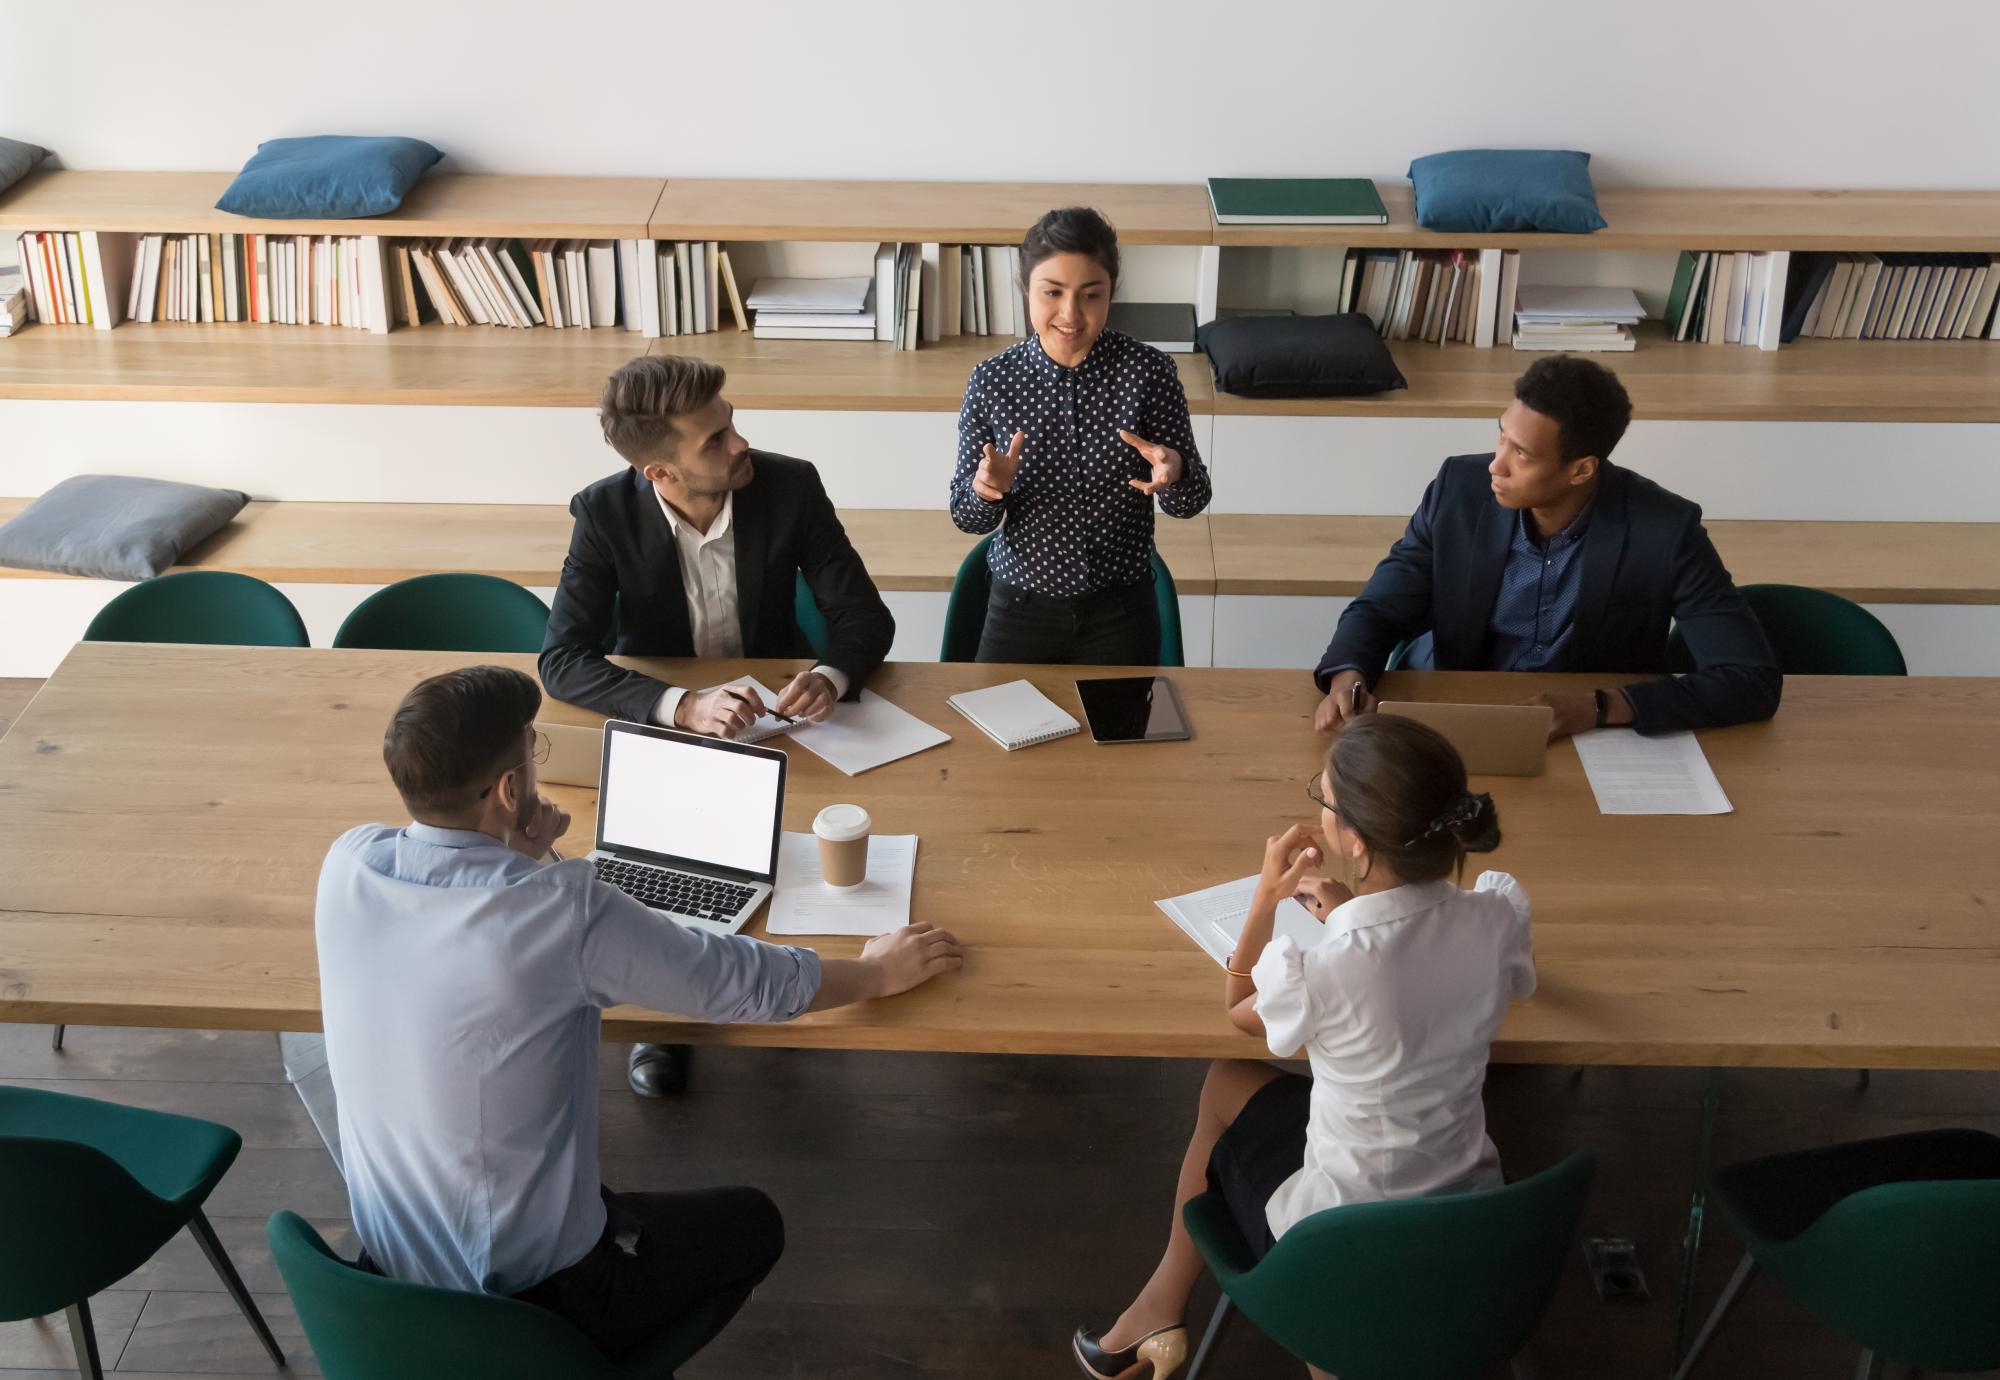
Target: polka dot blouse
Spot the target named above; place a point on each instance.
(1073, 523)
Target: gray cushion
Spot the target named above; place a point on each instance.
(111, 527)
(15, 160)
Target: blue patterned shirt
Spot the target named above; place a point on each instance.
(1534, 615)
(1074, 525)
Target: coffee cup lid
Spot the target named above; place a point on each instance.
(839, 823)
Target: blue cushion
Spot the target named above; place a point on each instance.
(15, 160)
(111, 527)
(327, 177)
(1506, 189)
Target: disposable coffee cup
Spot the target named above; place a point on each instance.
(843, 845)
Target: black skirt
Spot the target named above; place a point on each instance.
(1262, 1148)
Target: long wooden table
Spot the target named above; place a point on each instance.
(164, 811)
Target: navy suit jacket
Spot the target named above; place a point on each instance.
(621, 587)
(1648, 565)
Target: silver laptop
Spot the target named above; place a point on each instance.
(689, 825)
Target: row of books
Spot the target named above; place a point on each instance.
(1723, 297)
(1893, 297)
(1436, 295)
(650, 287)
(918, 293)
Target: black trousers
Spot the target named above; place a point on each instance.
(661, 1255)
(1109, 627)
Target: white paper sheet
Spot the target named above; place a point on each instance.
(1214, 918)
(1667, 775)
(859, 735)
(802, 902)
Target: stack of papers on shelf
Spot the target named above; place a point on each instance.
(13, 300)
(813, 308)
(1576, 318)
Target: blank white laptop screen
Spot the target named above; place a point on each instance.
(698, 803)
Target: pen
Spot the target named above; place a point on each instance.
(1354, 697)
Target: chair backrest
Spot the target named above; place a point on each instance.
(216, 607)
(366, 1327)
(811, 621)
(1813, 633)
(965, 612)
(1450, 1285)
(448, 613)
(73, 1222)
(1910, 1270)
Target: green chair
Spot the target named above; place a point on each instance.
(811, 621)
(364, 1326)
(1431, 1288)
(214, 607)
(89, 1192)
(1813, 633)
(1893, 1242)
(448, 613)
(965, 612)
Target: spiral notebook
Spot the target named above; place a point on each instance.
(1015, 715)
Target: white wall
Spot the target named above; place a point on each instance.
(1682, 92)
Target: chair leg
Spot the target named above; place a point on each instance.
(1218, 1322)
(55, 1041)
(1866, 1369)
(84, 1338)
(219, 1258)
(1744, 1269)
(1862, 1081)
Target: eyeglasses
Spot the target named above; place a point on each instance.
(1312, 794)
(539, 755)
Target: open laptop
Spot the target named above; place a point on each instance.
(1493, 739)
(689, 825)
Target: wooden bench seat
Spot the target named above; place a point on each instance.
(378, 543)
(1872, 562)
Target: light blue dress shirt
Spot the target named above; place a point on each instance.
(460, 983)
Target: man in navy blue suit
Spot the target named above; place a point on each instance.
(1544, 556)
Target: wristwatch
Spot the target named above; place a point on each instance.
(1603, 706)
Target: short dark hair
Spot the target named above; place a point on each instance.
(1071, 230)
(454, 734)
(1589, 406)
(1400, 785)
(642, 400)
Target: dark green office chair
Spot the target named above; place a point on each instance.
(89, 1192)
(811, 621)
(448, 613)
(965, 613)
(214, 607)
(1813, 633)
(1894, 1243)
(366, 1327)
(1447, 1286)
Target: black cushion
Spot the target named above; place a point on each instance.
(1299, 356)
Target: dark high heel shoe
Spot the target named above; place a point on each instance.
(1162, 1351)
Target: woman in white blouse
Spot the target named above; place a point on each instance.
(1396, 1009)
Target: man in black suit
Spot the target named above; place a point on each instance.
(696, 550)
(1543, 556)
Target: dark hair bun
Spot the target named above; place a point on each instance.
(1476, 825)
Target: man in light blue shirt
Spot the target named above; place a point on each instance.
(461, 980)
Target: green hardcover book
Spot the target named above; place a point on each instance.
(1677, 298)
(1296, 201)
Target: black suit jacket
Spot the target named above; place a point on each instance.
(623, 564)
(1648, 565)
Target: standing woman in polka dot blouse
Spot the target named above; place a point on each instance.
(1066, 439)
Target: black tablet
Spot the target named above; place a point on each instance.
(1133, 709)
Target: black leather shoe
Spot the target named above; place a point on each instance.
(657, 1070)
(1155, 1355)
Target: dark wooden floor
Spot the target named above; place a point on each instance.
(955, 1216)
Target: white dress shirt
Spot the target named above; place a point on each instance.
(1396, 1008)
(708, 574)
(460, 984)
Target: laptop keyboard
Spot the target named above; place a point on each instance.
(682, 893)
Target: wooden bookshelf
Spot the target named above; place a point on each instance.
(472, 366)
(944, 212)
(1819, 380)
(1676, 218)
(440, 204)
